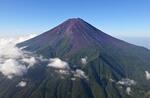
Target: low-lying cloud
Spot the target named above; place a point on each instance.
(30, 61)
(147, 75)
(58, 63)
(22, 84)
(80, 74)
(128, 90)
(63, 68)
(14, 61)
(84, 60)
(11, 67)
(126, 82)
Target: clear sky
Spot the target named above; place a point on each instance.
(115, 17)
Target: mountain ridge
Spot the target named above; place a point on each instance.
(99, 65)
(78, 31)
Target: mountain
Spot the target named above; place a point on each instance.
(95, 65)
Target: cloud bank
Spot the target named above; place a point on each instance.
(14, 61)
(11, 67)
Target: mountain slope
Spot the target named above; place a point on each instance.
(100, 66)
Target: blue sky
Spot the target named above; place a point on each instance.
(115, 17)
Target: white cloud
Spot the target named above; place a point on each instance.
(8, 50)
(111, 80)
(22, 84)
(147, 74)
(15, 40)
(84, 60)
(14, 61)
(58, 63)
(63, 71)
(126, 82)
(148, 93)
(62, 67)
(73, 79)
(11, 67)
(128, 90)
(41, 58)
(80, 74)
(31, 61)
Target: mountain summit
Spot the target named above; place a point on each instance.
(80, 61)
(71, 36)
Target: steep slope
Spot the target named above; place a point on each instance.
(100, 66)
(76, 34)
